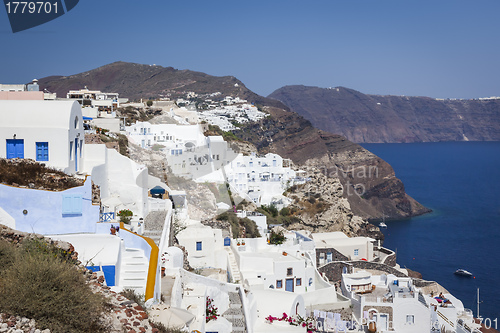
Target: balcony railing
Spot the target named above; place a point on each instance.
(106, 217)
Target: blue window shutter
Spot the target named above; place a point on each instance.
(42, 151)
(72, 204)
(198, 246)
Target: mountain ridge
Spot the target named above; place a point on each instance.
(365, 118)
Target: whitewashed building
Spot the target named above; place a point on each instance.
(49, 132)
(354, 248)
(386, 301)
(204, 245)
(262, 179)
(95, 102)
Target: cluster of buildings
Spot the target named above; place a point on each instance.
(226, 113)
(226, 116)
(191, 154)
(326, 282)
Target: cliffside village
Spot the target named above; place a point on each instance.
(136, 231)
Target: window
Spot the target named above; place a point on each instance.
(289, 271)
(198, 246)
(72, 204)
(410, 319)
(42, 151)
(298, 282)
(356, 252)
(279, 284)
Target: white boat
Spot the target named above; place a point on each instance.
(463, 272)
(382, 224)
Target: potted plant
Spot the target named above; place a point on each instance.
(125, 215)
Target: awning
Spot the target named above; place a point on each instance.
(87, 118)
(157, 190)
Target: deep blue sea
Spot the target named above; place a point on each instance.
(460, 182)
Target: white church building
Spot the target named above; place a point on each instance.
(50, 132)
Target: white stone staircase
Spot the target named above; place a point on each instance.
(233, 266)
(134, 270)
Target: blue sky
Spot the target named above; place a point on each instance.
(444, 49)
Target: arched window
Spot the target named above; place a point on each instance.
(76, 122)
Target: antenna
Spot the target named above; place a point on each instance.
(478, 302)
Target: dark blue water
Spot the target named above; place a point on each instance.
(460, 181)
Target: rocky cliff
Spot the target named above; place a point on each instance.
(369, 183)
(372, 118)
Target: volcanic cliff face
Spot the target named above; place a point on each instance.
(369, 183)
(373, 118)
(286, 133)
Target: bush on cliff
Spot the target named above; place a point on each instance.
(42, 285)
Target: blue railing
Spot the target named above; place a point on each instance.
(106, 217)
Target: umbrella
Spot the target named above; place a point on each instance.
(171, 316)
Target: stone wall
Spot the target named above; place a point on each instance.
(16, 237)
(336, 255)
(333, 270)
(390, 260)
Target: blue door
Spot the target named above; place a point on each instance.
(76, 154)
(289, 285)
(15, 148)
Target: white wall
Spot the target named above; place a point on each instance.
(118, 177)
(212, 253)
(112, 124)
(422, 316)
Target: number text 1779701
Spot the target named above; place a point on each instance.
(31, 7)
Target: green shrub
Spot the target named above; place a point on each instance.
(233, 221)
(250, 227)
(125, 215)
(276, 238)
(163, 329)
(272, 210)
(133, 296)
(285, 211)
(44, 286)
(7, 254)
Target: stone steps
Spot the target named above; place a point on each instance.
(233, 266)
(153, 225)
(235, 313)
